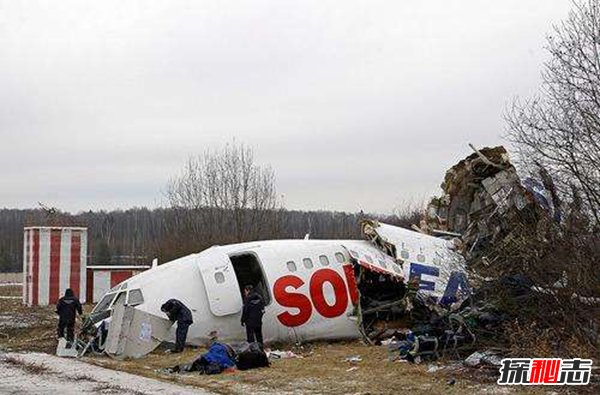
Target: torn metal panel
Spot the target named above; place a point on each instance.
(431, 261)
(374, 260)
(134, 333)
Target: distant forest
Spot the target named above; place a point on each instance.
(138, 235)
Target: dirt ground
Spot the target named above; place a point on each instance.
(322, 370)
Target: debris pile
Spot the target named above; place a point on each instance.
(483, 196)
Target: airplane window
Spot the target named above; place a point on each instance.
(104, 303)
(219, 278)
(421, 258)
(324, 260)
(404, 254)
(368, 258)
(135, 297)
(382, 263)
(396, 269)
(119, 300)
(339, 257)
(307, 263)
(291, 265)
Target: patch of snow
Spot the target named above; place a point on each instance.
(69, 376)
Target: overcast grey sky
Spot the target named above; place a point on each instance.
(355, 104)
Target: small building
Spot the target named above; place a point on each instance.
(54, 259)
(101, 278)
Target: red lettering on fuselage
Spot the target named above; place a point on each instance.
(351, 280)
(317, 295)
(292, 299)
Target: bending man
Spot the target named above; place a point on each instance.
(178, 312)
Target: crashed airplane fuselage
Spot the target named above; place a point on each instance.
(313, 289)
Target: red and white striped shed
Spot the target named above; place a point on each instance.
(54, 259)
(101, 278)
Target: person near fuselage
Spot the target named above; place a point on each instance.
(254, 308)
(67, 308)
(178, 312)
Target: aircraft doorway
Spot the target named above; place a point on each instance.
(249, 272)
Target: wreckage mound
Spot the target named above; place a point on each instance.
(532, 258)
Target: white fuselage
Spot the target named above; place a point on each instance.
(307, 283)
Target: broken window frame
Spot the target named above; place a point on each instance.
(101, 306)
(138, 302)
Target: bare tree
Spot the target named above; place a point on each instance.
(559, 129)
(223, 187)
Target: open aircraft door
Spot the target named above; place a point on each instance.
(220, 282)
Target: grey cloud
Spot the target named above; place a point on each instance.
(355, 104)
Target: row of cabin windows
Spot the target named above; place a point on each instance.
(381, 262)
(324, 260)
(404, 254)
(308, 263)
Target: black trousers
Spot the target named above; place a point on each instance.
(181, 334)
(69, 326)
(254, 334)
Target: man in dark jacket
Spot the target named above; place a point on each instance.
(178, 312)
(254, 308)
(67, 308)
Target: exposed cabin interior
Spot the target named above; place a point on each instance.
(382, 302)
(248, 271)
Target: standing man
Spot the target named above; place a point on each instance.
(254, 308)
(67, 308)
(178, 312)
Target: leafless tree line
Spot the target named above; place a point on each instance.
(139, 234)
(559, 129)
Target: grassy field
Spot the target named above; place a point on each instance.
(322, 370)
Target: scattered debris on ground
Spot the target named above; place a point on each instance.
(277, 354)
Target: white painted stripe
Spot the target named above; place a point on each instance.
(55, 227)
(25, 265)
(83, 268)
(101, 284)
(30, 271)
(44, 281)
(65, 261)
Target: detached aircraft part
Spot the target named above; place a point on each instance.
(133, 333)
